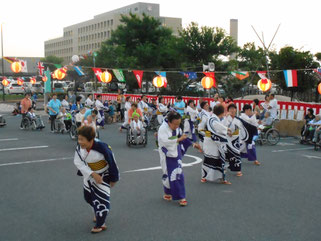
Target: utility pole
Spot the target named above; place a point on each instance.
(3, 93)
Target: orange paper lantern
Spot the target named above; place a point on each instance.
(44, 78)
(264, 85)
(159, 81)
(106, 77)
(60, 74)
(33, 80)
(16, 67)
(20, 81)
(319, 88)
(5, 82)
(207, 82)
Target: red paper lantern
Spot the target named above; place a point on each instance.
(44, 78)
(159, 81)
(60, 73)
(33, 80)
(207, 82)
(16, 67)
(319, 88)
(5, 82)
(106, 77)
(264, 85)
(20, 81)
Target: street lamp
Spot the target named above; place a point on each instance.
(3, 93)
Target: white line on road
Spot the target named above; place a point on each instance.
(9, 139)
(297, 149)
(312, 157)
(38, 161)
(197, 161)
(23, 148)
(286, 144)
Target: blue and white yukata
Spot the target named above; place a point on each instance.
(191, 117)
(101, 116)
(214, 148)
(248, 131)
(233, 153)
(161, 113)
(202, 126)
(171, 154)
(99, 159)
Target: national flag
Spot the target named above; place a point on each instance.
(240, 74)
(212, 75)
(119, 75)
(317, 71)
(139, 76)
(41, 68)
(98, 73)
(189, 75)
(24, 68)
(10, 59)
(163, 74)
(79, 70)
(291, 78)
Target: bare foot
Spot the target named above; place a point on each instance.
(239, 174)
(257, 163)
(226, 182)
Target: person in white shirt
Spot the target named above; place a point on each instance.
(89, 103)
(128, 105)
(161, 110)
(191, 114)
(143, 104)
(100, 108)
(198, 107)
(273, 108)
(64, 103)
(215, 101)
(137, 129)
(204, 116)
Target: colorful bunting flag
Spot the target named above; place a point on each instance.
(119, 75)
(41, 68)
(317, 71)
(291, 78)
(24, 68)
(240, 74)
(98, 73)
(139, 76)
(189, 75)
(58, 66)
(10, 59)
(79, 70)
(212, 75)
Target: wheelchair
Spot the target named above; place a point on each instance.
(269, 135)
(2, 121)
(32, 123)
(130, 138)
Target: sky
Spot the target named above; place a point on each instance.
(27, 24)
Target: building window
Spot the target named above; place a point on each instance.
(108, 23)
(108, 34)
(95, 36)
(105, 34)
(86, 28)
(136, 9)
(105, 24)
(86, 37)
(98, 35)
(111, 22)
(98, 25)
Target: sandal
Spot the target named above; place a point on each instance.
(257, 163)
(239, 174)
(167, 197)
(98, 230)
(183, 203)
(203, 180)
(226, 182)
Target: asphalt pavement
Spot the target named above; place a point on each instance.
(42, 199)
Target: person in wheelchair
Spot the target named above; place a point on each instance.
(266, 123)
(137, 129)
(314, 124)
(35, 118)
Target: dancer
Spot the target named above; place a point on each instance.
(172, 147)
(100, 108)
(96, 163)
(128, 105)
(161, 110)
(190, 119)
(214, 147)
(204, 115)
(233, 154)
(248, 131)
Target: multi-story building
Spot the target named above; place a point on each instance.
(79, 39)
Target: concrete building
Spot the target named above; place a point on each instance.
(86, 36)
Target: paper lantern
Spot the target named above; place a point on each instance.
(264, 85)
(44, 78)
(5, 82)
(319, 88)
(75, 58)
(159, 81)
(33, 80)
(207, 82)
(20, 81)
(60, 74)
(16, 67)
(106, 77)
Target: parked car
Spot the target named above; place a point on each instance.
(14, 88)
(151, 87)
(33, 88)
(57, 87)
(89, 86)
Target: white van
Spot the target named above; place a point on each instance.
(89, 86)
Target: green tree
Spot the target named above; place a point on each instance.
(51, 61)
(318, 56)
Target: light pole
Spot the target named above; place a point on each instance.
(3, 94)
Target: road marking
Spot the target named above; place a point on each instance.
(37, 161)
(23, 148)
(297, 149)
(197, 161)
(312, 157)
(285, 144)
(9, 139)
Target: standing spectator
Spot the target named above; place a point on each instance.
(65, 103)
(179, 105)
(25, 105)
(54, 107)
(215, 101)
(72, 98)
(256, 108)
(273, 107)
(89, 101)
(77, 106)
